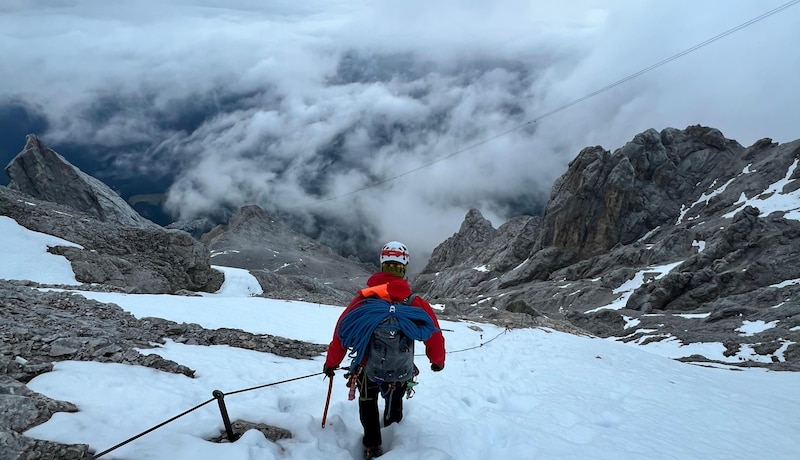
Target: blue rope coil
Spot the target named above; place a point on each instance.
(355, 329)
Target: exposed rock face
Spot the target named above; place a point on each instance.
(749, 254)
(477, 253)
(39, 328)
(675, 197)
(287, 264)
(137, 259)
(120, 248)
(606, 199)
(21, 409)
(44, 174)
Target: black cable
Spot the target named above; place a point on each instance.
(484, 343)
(480, 344)
(198, 407)
(276, 383)
(153, 429)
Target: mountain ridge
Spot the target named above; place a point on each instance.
(671, 210)
(627, 249)
(613, 216)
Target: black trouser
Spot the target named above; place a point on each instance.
(368, 407)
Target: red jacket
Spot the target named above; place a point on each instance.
(397, 290)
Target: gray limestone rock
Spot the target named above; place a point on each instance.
(287, 264)
(44, 174)
(670, 198)
(39, 327)
(147, 259)
(673, 198)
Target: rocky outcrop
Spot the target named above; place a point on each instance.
(39, 328)
(44, 174)
(606, 199)
(673, 198)
(147, 259)
(119, 248)
(287, 264)
(22, 409)
(747, 255)
(18, 447)
(45, 326)
(477, 253)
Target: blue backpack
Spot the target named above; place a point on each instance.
(381, 335)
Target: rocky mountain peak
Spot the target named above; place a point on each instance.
(119, 248)
(286, 263)
(704, 229)
(474, 222)
(42, 173)
(477, 252)
(475, 232)
(606, 199)
(246, 219)
(681, 236)
(248, 213)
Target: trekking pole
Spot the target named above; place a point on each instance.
(327, 401)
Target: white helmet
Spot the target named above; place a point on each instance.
(395, 251)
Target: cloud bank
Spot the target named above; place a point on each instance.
(296, 105)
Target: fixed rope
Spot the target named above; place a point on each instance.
(503, 332)
(219, 397)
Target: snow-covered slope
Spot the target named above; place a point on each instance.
(519, 394)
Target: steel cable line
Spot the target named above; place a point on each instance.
(461, 350)
(560, 108)
(217, 395)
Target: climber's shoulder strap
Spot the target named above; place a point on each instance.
(409, 300)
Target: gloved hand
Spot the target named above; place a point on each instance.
(436, 368)
(329, 371)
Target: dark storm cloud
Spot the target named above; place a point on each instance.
(17, 119)
(289, 104)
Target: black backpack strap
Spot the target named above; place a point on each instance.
(410, 299)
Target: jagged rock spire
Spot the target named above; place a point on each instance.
(42, 173)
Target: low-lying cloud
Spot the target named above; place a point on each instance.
(296, 105)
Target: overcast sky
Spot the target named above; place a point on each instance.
(287, 103)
